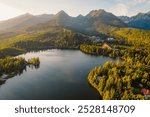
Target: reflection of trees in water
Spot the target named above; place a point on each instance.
(37, 66)
(2, 81)
(34, 66)
(19, 72)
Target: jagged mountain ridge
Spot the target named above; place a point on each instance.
(141, 20)
(84, 24)
(103, 17)
(94, 22)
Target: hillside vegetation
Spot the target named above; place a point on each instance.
(123, 80)
(55, 37)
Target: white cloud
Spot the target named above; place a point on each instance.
(119, 9)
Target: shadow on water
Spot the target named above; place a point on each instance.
(5, 77)
(61, 75)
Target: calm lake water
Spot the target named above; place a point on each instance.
(62, 75)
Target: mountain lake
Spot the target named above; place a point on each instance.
(62, 75)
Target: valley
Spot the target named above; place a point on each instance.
(98, 34)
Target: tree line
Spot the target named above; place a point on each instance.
(123, 80)
(15, 65)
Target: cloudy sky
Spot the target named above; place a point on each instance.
(12, 8)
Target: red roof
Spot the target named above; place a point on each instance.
(145, 91)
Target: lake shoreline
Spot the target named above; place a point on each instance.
(14, 54)
(59, 69)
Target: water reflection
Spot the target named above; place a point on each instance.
(34, 66)
(62, 75)
(5, 77)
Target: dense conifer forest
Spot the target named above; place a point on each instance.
(123, 80)
(10, 66)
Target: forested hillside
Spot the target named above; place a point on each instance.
(55, 37)
(123, 80)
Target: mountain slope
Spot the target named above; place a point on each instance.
(125, 19)
(97, 22)
(88, 24)
(64, 31)
(23, 21)
(55, 37)
(98, 17)
(141, 21)
(79, 23)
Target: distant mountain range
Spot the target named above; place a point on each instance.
(28, 32)
(141, 20)
(88, 24)
(93, 23)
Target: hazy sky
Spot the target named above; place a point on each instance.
(11, 8)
